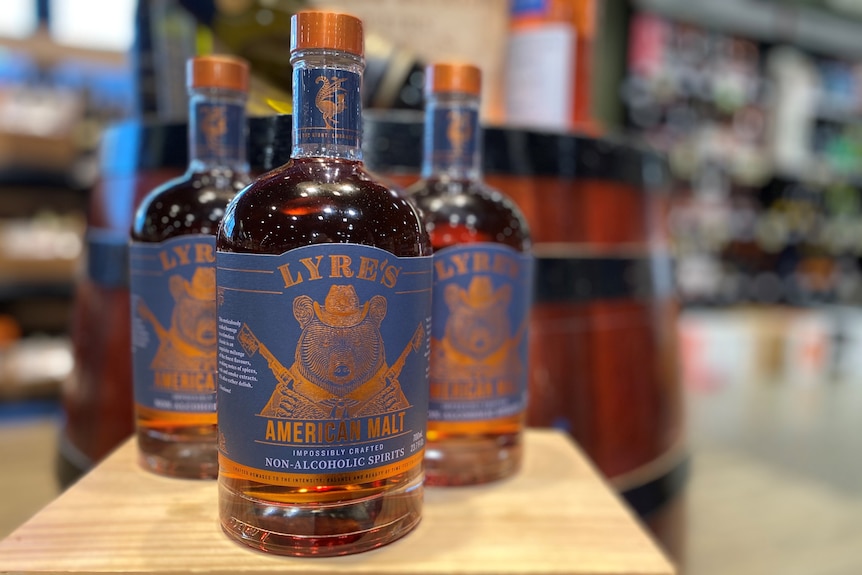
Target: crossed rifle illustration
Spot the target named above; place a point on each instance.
(289, 389)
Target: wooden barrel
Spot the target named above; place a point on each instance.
(135, 157)
(603, 340)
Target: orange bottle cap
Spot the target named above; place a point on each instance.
(453, 77)
(218, 71)
(328, 30)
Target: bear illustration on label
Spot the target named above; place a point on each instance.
(477, 340)
(190, 342)
(339, 369)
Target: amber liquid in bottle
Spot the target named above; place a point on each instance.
(459, 208)
(178, 443)
(323, 195)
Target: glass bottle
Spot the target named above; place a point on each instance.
(324, 301)
(172, 278)
(482, 287)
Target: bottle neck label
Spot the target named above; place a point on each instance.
(327, 111)
(482, 294)
(217, 132)
(452, 140)
(323, 364)
(172, 290)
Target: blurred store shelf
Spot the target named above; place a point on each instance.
(34, 368)
(763, 134)
(39, 259)
(828, 26)
(46, 51)
(42, 249)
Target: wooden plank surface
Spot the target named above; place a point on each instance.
(28, 483)
(556, 516)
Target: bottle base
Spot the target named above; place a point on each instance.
(320, 529)
(180, 456)
(472, 460)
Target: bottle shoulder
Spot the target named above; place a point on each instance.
(451, 194)
(192, 203)
(463, 211)
(315, 200)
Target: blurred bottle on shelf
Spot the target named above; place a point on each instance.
(549, 64)
(587, 14)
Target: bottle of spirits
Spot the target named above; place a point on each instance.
(482, 290)
(324, 302)
(172, 278)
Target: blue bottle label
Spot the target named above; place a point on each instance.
(482, 295)
(172, 290)
(328, 107)
(323, 364)
(453, 137)
(218, 130)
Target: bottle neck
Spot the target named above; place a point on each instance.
(217, 130)
(452, 137)
(327, 105)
